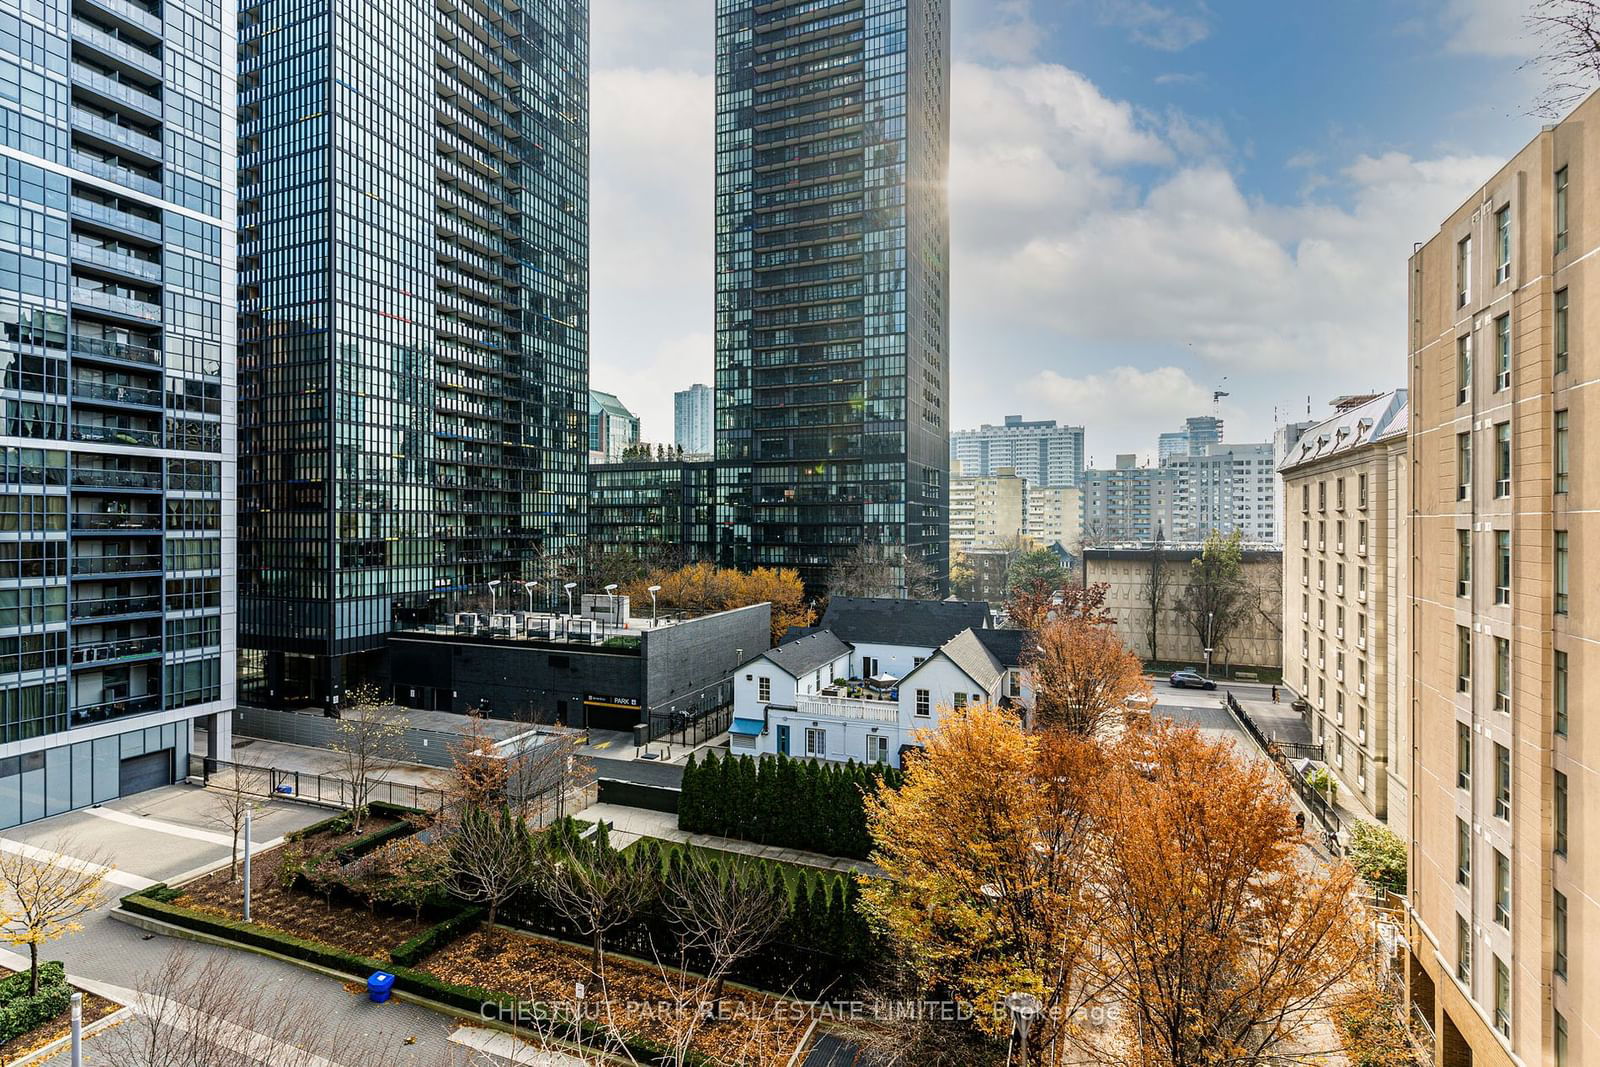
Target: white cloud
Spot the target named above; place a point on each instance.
(1488, 28)
(1146, 401)
(1162, 27)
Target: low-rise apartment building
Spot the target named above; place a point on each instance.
(1338, 586)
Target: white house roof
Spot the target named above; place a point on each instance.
(970, 656)
(1349, 429)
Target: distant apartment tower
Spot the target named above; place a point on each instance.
(117, 391)
(1202, 431)
(1504, 904)
(1055, 517)
(1346, 478)
(1040, 451)
(612, 427)
(832, 323)
(988, 511)
(693, 413)
(413, 320)
(1224, 489)
(1171, 445)
(1129, 503)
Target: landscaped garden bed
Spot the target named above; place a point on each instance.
(28, 1024)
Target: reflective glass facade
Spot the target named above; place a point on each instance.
(832, 343)
(662, 512)
(414, 318)
(116, 393)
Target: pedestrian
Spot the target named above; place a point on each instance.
(1300, 821)
(1274, 694)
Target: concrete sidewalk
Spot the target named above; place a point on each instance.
(1282, 723)
(630, 824)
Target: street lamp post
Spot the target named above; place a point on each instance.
(494, 597)
(569, 587)
(1024, 1008)
(529, 587)
(611, 591)
(654, 615)
(1209, 617)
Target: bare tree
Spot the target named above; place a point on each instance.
(1215, 602)
(370, 740)
(1568, 36)
(724, 912)
(491, 856)
(1157, 585)
(202, 1009)
(232, 795)
(593, 886)
(46, 893)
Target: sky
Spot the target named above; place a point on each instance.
(1151, 200)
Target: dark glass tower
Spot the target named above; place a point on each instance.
(413, 319)
(832, 364)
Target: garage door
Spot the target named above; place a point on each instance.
(138, 773)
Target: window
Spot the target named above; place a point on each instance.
(1502, 231)
(1502, 782)
(1322, 496)
(1559, 814)
(1463, 368)
(1561, 210)
(1322, 535)
(1463, 466)
(1563, 458)
(959, 701)
(1561, 1040)
(1561, 572)
(1361, 492)
(1014, 680)
(1463, 271)
(1561, 694)
(1502, 566)
(1463, 950)
(1502, 997)
(1560, 909)
(764, 690)
(1463, 562)
(1305, 497)
(869, 667)
(1463, 853)
(1502, 674)
(1562, 335)
(1502, 460)
(1463, 756)
(1502, 889)
(1502, 351)
(1339, 486)
(817, 743)
(924, 705)
(877, 748)
(1361, 536)
(1463, 659)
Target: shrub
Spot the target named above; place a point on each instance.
(377, 839)
(24, 1013)
(1379, 855)
(436, 937)
(334, 824)
(51, 972)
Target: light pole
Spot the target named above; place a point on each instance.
(1024, 1008)
(611, 591)
(529, 587)
(569, 587)
(654, 616)
(247, 865)
(1209, 616)
(494, 597)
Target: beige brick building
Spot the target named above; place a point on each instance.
(1505, 864)
(1055, 516)
(1339, 587)
(987, 511)
(1253, 645)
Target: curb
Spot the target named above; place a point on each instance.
(60, 1044)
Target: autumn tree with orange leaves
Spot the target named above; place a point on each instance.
(1151, 891)
(1082, 673)
(700, 588)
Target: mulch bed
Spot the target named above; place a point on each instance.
(94, 1008)
(756, 1028)
(300, 913)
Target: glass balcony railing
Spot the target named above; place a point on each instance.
(126, 137)
(117, 394)
(139, 58)
(105, 652)
(111, 607)
(113, 173)
(133, 14)
(144, 310)
(116, 435)
(116, 522)
(115, 708)
(131, 353)
(110, 216)
(122, 92)
(118, 261)
(92, 565)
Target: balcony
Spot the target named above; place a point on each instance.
(119, 262)
(116, 435)
(94, 566)
(117, 395)
(868, 709)
(120, 92)
(121, 351)
(101, 168)
(131, 307)
(135, 15)
(115, 607)
(126, 523)
(129, 55)
(112, 709)
(107, 652)
(116, 219)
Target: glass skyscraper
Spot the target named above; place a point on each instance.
(832, 321)
(117, 394)
(413, 320)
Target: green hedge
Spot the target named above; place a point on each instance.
(470, 1000)
(372, 842)
(20, 1013)
(791, 803)
(339, 824)
(436, 937)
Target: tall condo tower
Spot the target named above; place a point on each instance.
(414, 320)
(832, 332)
(117, 393)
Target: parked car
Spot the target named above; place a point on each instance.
(1190, 680)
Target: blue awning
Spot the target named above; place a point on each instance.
(753, 727)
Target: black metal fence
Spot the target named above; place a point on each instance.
(679, 730)
(312, 788)
(1283, 754)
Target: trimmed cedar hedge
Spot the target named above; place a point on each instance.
(20, 1013)
(410, 953)
(470, 1000)
(804, 804)
(340, 824)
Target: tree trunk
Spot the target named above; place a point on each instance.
(33, 968)
(494, 906)
(233, 859)
(594, 958)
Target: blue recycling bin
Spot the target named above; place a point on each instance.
(379, 986)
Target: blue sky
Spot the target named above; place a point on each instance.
(1150, 199)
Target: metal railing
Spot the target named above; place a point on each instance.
(1278, 752)
(312, 788)
(677, 730)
